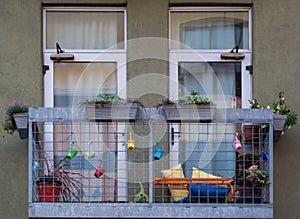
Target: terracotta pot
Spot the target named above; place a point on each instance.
(48, 191)
(251, 132)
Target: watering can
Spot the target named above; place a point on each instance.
(71, 152)
(130, 143)
(141, 196)
(100, 170)
(158, 152)
(89, 154)
(36, 166)
(236, 144)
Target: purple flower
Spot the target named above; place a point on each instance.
(15, 102)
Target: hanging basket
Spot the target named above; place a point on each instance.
(21, 120)
(279, 122)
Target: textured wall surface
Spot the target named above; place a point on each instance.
(276, 55)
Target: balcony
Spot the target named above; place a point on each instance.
(150, 167)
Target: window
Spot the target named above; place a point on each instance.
(96, 38)
(198, 37)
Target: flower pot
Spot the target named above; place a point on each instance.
(111, 112)
(279, 122)
(276, 136)
(250, 194)
(21, 120)
(251, 133)
(48, 191)
(189, 112)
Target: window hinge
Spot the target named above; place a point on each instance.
(45, 68)
(250, 69)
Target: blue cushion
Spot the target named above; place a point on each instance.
(200, 191)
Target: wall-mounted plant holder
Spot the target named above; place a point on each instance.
(71, 152)
(130, 143)
(100, 170)
(158, 153)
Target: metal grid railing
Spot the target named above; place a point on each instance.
(151, 162)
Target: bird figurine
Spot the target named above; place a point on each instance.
(236, 144)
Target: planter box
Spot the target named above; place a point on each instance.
(111, 112)
(21, 120)
(189, 112)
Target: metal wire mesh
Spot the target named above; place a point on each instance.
(150, 162)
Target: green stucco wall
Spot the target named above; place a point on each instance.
(276, 46)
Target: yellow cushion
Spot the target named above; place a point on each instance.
(177, 191)
(197, 174)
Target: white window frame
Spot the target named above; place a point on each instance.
(86, 55)
(118, 56)
(212, 55)
(206, 55)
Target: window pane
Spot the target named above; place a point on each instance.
(210, 30)
(214, 80)
(85, 30)
(77, 82)
(211, 79)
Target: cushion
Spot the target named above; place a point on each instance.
(177, 191)
(199, 191)
(201, 174)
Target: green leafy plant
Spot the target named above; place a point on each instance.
(194, 98)
(257, 176)
(9, 125)
(106, 98)
(279, 107)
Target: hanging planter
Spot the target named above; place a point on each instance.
(21, 120)
(279, 122)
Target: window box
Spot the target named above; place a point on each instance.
(111, 112)
(189, 112)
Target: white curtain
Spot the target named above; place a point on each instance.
(210, 30)
(85, 30)
(77, 81)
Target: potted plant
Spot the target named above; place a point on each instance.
(255, 186)
(189, 108)
(257, 181)
(58, 181)
(109, 107)
(283, 118)
(16, 119)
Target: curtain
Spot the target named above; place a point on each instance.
(77, 82)
(210, 30)
(85, 30)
